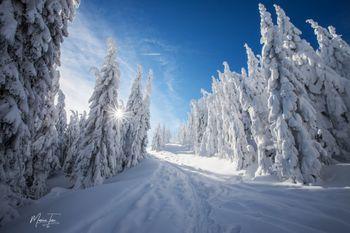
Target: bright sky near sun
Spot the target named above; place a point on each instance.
(184, 42)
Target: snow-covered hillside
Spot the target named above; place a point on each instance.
(176, 191)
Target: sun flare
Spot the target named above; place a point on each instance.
(119, 114)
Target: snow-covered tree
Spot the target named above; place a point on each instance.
(72, 143)
(217, 90)
(182, 135)
(333, 50)
(146, 115)
(30, 38)
(166, 134)
(82, 121)
(157, 142)
(48, 26)
(331, 91)
(253, 99)
(134, 132)
(45, 145)
(209, 140)
(14, 110)
(99, 154)
(291, 114)
(237, 147)
(199, 114)
(61, 126)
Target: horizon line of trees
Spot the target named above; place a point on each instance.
(288, 115)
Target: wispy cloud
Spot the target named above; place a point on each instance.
(166, 60)
(151, 54)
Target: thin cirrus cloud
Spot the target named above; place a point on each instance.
(151, 54)
(86, 47)
(167, 63)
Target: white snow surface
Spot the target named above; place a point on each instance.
(176, 191)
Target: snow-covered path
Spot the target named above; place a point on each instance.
(179, 192)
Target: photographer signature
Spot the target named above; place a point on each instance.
(44, 222)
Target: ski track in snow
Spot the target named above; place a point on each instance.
(175, 191)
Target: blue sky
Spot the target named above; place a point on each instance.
(184, 42)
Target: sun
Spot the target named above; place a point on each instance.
(119, 114)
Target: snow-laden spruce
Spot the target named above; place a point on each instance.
(157, 140)
(146, 114)
(71, 143)
(47, 23)
(74, 137)
(334, 85)
(199, 123)
(288, 115)
(208, 144)
(134, 133)
(333, 50)
(45, 143)
(166, 134)
(30, 38)
(137, 122)
(161, 136)
(291, 115)
(61, 126)
(99, 155)
(114, 136)
(234, 121)
(183, 134)
(253, 99)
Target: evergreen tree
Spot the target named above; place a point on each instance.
(238, 147)
(15, 134)
(290, 111)
(182, 136)
(82, 121)
(72, 142)
(45, 145)
(98, 151)
(253, 99)
(209, 141)
(30, 38)
(133, 128)
(61, 126)
(199, 113)
(166, 134)
(333, 50)
(146, 116)
(157, 142)
(331, 93)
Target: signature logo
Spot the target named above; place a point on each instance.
(44, 220)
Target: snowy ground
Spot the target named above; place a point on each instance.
(175, 191)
